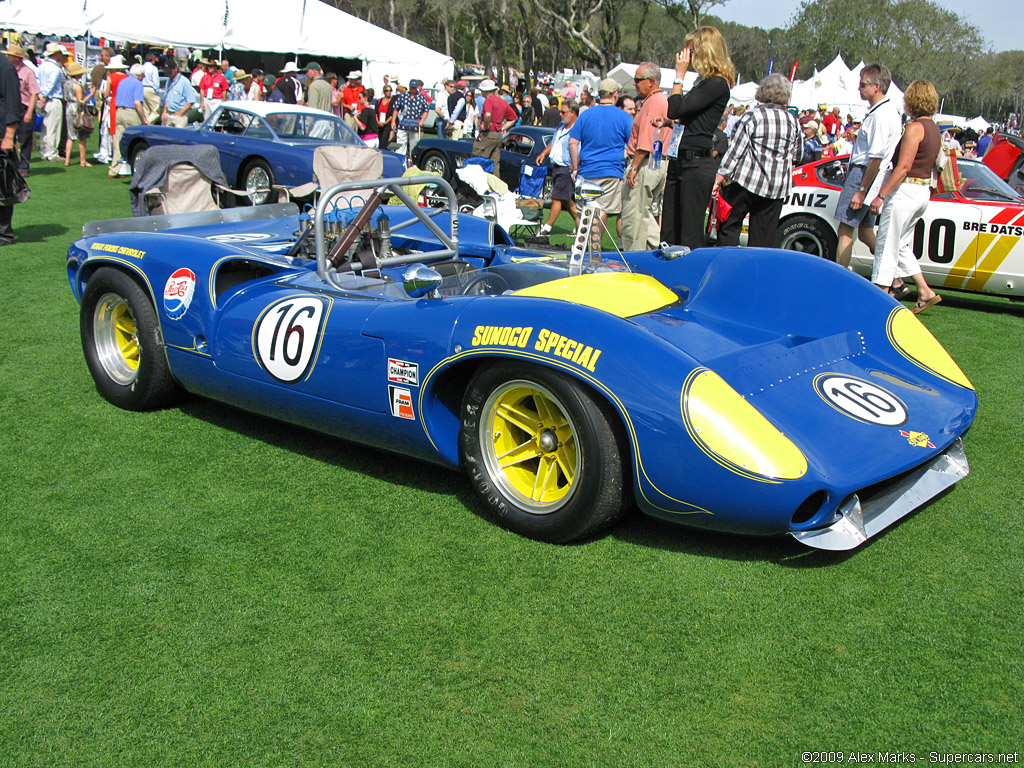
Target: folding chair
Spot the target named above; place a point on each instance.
(179, 179)
(333, 164)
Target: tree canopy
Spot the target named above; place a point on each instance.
(914, 38)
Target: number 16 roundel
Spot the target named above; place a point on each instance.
(287, 336)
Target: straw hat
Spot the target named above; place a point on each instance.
(75, 69)
(54, 49)
(241, 74)
(16, 50)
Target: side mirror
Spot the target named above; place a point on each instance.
(419, 280)
(588, 190)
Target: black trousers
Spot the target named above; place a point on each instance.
(23, 145)
(688, 185)
(764, 217)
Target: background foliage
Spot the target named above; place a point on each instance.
(915, 38)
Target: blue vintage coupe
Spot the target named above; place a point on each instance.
(260, 143)
(709, 386)
(520, 146)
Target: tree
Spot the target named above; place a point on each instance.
(689, 13)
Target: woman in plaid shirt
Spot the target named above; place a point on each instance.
(756, 174)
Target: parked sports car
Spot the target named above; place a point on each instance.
(260, 143)
(968, 240)
(710, 386)
(520, 146)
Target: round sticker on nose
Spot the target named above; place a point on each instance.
(178, 292)
(861, 400)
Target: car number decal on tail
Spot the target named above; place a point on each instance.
(860, 399)
(287, 334)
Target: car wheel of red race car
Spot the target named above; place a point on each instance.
(123, 344)
(542, 452)
(808, 235)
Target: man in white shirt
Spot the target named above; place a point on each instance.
(870, 159)
(50, 75)
(151, 87)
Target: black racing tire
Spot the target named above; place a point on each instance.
(808, 234)
(257, 174)
(134, 151)
(123, 344)
(435, 162)
(542, 452)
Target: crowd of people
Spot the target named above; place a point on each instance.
(660, 158)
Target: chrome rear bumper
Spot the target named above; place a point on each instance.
(860, 519)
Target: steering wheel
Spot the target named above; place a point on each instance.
(485, 284)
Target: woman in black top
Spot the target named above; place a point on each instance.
(691, 174)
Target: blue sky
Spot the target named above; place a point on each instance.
(1000, 21)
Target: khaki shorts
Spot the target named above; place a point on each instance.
(611, 201)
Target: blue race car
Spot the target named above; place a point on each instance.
(709, 386)
(260, 143)
(520, 147)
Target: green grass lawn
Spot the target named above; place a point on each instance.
(200, 586)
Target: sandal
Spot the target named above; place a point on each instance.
(922, 304)
(901, 292)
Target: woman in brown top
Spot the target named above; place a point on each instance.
(904, 196)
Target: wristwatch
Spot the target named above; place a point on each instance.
(678, 81)
(862, 189)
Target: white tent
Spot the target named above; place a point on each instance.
(301, 27)
(979, 124)
(623, 75)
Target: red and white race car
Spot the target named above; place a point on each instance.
(968, 240)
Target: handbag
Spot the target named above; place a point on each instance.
(13, 187)
(83, 122)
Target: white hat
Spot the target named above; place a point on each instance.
(487, 85)
(813, 125)
(291, 66)
(355, 74)
(55, 48)
(117, 62)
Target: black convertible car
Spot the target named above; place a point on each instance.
(521, 145)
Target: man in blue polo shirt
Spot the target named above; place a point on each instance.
(180, 98)
(597, 146)
(130, 100)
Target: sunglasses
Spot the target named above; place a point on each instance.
(864, 85)
(639, 79)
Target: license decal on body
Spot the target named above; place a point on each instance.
(860, 399)
(286, 337)
(403, 372)
(178, 292)
(401, 402)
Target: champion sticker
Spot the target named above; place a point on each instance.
(178, 292)
(401, 402)
(861, 400)
(403, 372)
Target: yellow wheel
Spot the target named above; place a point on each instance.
(542, 451)
(529, 444)
(122, 342)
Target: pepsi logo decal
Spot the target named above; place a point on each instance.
(401, 402)
(178, 292)
(403, 372)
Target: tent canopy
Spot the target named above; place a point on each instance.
(299, 27)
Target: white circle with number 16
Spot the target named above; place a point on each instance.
(287, 335)
(863, 400)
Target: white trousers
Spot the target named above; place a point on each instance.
(48, 148)
(894, 251)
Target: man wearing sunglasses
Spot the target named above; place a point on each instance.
(871, 156)
(645, 179)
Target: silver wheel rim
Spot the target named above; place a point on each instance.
(257, 185)
(115, 335)
(804, 241)
(435, 164)
(530, 446)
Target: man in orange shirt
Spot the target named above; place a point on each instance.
(350, 97)
(645, 183)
